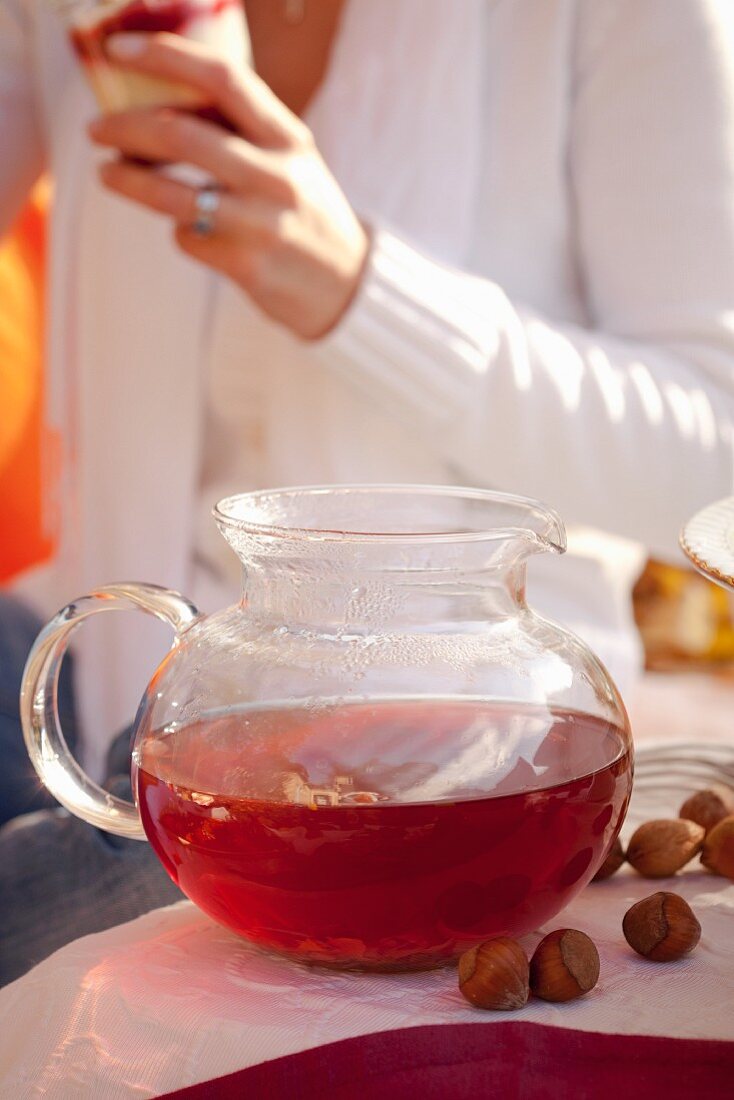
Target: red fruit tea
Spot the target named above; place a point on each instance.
(142, 16)
(388, 835)
(216, 23)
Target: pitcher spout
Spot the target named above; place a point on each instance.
(539, 526)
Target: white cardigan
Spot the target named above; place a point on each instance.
(548, 307)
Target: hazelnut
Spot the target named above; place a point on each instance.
(660, 848)
(662, 927)
(718, 848)
(565, 966)
(612, 863)
(707, 808)
(495, 975)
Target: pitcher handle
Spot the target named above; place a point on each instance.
(44, 738)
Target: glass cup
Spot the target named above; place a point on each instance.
(219, 24)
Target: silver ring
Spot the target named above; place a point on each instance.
(207, 204)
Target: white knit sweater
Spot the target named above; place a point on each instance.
(548, 308)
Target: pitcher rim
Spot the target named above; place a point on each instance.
(553, 538)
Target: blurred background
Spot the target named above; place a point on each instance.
(685, 622)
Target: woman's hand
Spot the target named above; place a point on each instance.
(283, 229)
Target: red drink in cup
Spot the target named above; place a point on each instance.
(216, 23)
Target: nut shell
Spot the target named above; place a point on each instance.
(662, 927)
(718, 848)
(612, 863)
(707, 808)
(495, 975)
(565, 966)
(660, 848)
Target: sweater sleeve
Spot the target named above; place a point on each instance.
(627, 425)
(22, 155)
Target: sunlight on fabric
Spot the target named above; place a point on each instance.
(475, 310)
(563, 363)
(704, 413)
(683, 411)
(518, 351)
(610, 382)
(648, 391)
(80, 1044)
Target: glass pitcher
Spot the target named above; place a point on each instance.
(380, 756)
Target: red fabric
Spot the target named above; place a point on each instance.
(506, 1061)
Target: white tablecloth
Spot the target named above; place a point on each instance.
(171, 999)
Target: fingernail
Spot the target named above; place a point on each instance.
(125, 46)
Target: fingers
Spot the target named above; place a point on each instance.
(157, 192)
(218, 251)
(245, 221)
(240, 95)
(165, 135)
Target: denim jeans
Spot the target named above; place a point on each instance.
(21, 790)
(59, 877)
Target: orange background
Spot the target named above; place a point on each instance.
(23, 439)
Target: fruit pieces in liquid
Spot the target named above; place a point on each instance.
(315, 835)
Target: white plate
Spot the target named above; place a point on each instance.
(708, 540)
